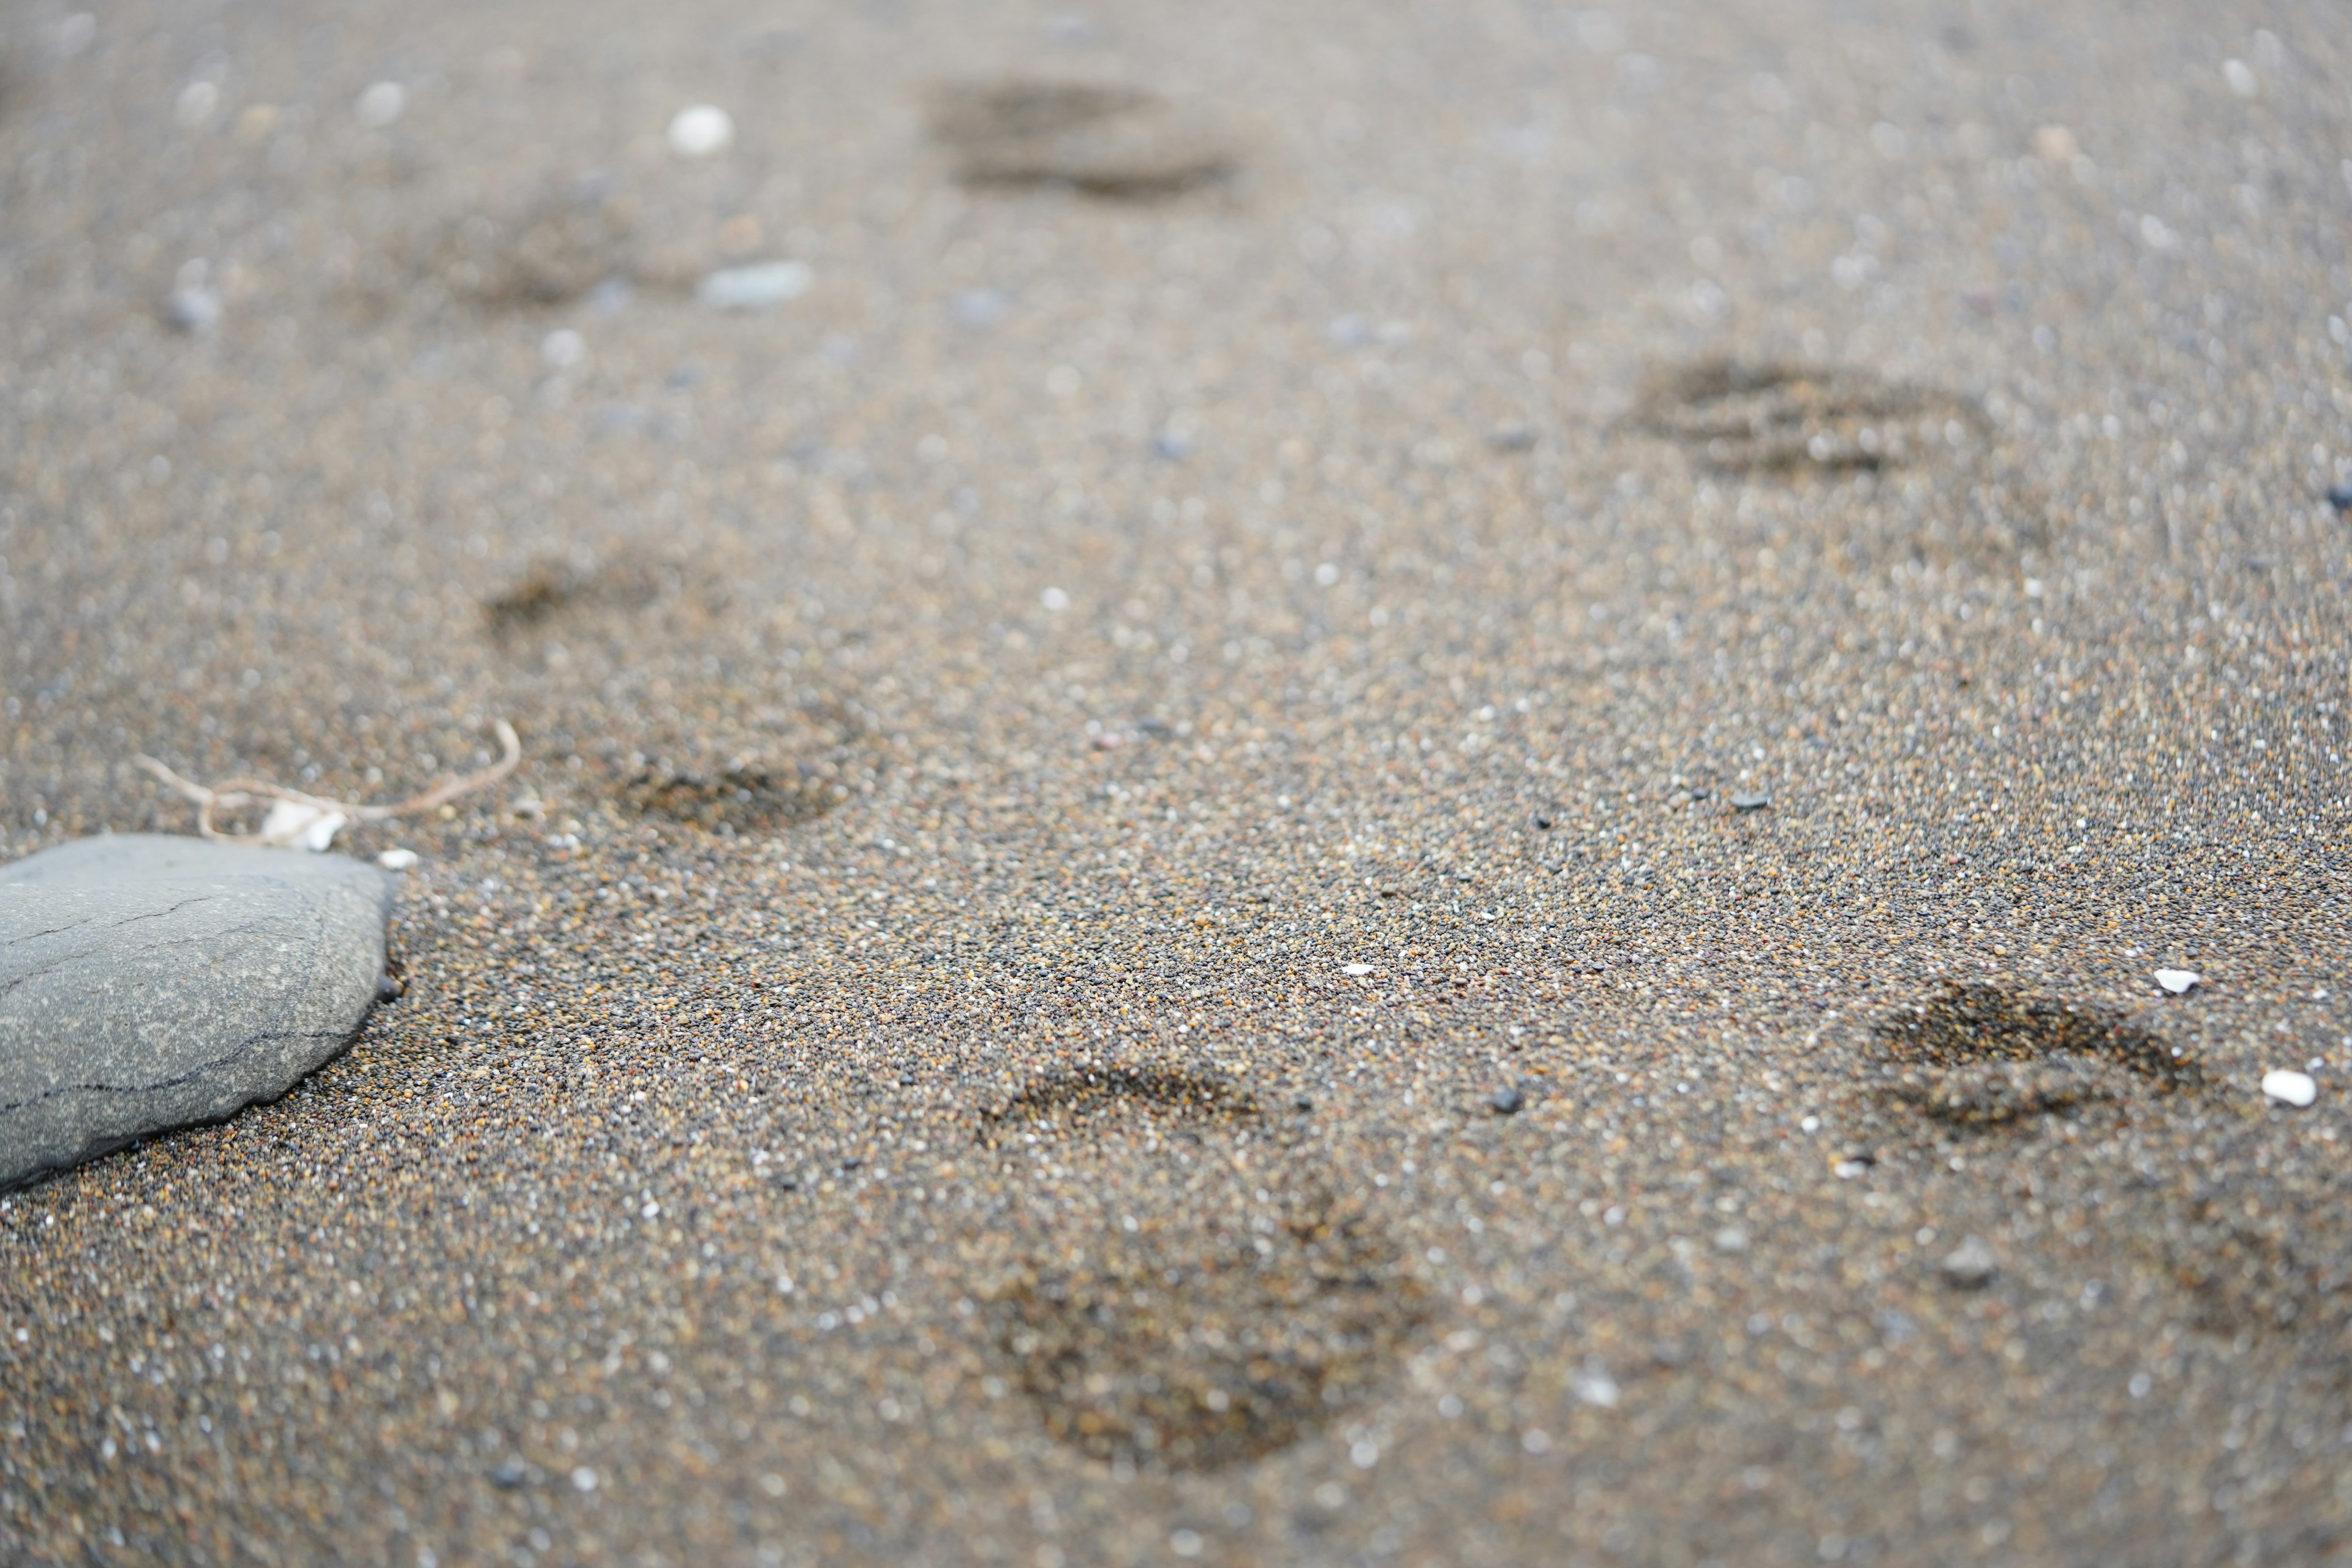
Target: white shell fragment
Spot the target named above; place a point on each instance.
(293, 825)
(2293, 1089)
(701, 129)
(2179, 982)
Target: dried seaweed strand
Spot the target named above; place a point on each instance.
(238, 792)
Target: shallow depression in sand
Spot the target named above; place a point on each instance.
(1982, 1055)
(1188, 1292)
(1763, 416)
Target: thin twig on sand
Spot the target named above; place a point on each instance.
(312, 820)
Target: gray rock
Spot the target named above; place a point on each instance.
(148, 981)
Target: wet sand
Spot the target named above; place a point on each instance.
(1349, 817)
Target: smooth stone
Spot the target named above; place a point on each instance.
(149, 981)
(2290, 1088)
(755, 288)
(194, 309)
(701, 131)
(1971, 1266)
(2179, 982)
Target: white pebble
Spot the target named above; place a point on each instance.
(396, 859)
(2179, 982)
(755, 288)
(194, 309)
(2240, 78)
(1971, 1266)
(701, 129)
(563, 349)
(195, 108)
(584, 1480)
(381, 104)
(1357, 969)
(2290, 1088)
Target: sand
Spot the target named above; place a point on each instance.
(1072, 770)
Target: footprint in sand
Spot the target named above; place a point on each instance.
(1186, 1290)
(1104, 138)
(1760, 417)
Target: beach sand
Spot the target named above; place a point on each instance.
(1349, 810)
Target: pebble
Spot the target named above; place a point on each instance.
(148, 980)
(1970, 1265)
(2340, 498)
(701, 131)
(2289, 1087)
(382, 103)
(194, 309)
(1750, 802)
(757, 286)
(1509, 1101)
(978, 307)
(2179, 982)
(563, 349)
(1356, 968)
(396, 859)
(1591, 1383)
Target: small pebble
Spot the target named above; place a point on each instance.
(2179, 982)
(757, 286)
(1507, 1101)
(1356, 968)
(978, 308)
(1970, 1265)
(701, 129)
(381, 104)
(2340, 498)
(196, 102)
(396, 859)
(1750, 802)
(194, 309)
(1591, 1383)
(563, 349)
(2295, 1089)
(508, 1473)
